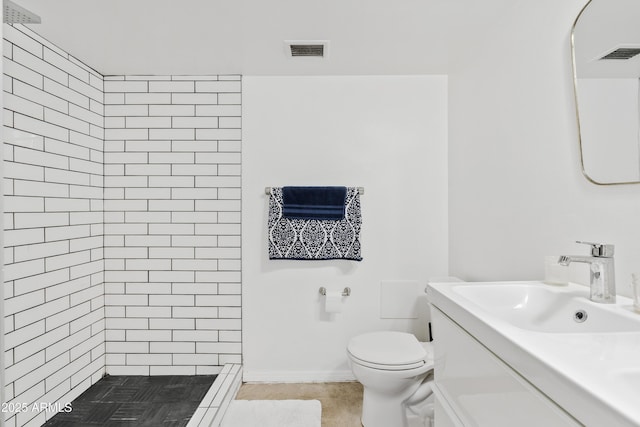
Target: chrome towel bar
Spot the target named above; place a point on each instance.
(267, 190)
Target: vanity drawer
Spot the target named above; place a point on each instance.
(481, 389)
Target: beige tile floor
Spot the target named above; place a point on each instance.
(341, 402)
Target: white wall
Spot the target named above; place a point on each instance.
(516, 190)
(387, 134)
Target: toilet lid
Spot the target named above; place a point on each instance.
(387, 348)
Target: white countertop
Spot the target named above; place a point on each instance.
(594, 376)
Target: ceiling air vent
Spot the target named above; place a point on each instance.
(307, 48)
(14, 14)
(622, 53)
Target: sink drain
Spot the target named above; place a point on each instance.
(580, 316)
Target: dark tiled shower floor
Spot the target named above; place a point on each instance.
(119, 401)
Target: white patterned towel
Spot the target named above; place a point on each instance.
(309, 239)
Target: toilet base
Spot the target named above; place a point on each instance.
(421, 415)
(382, 411)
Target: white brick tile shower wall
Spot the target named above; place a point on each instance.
(122, 224)
(172, 224)
(53, 173)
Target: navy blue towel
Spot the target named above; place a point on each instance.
(314, 202)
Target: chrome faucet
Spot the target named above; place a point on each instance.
(602, 280)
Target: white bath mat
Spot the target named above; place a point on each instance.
(273, 413)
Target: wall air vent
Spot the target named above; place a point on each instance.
(622, 53)
(307, 48)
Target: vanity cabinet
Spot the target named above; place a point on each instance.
(473, 387)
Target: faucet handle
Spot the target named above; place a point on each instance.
(599, 249)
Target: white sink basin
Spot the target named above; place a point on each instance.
(545, 308)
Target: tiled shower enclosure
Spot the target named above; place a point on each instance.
(122, 224)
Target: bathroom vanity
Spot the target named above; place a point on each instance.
(531, 354)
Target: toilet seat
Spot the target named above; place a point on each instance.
(383, 367)
(389, 351)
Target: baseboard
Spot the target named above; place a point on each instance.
(296, 376)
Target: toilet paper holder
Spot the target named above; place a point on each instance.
(345, 293)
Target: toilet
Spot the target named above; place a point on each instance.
(396, 371)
